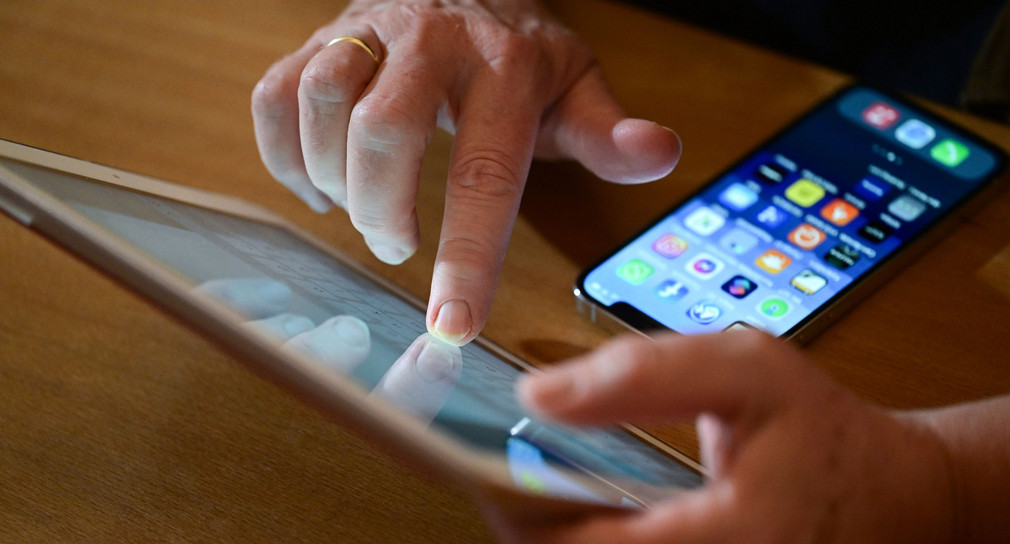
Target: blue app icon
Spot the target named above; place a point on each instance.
(671, 290)
(704, 312)
(772, 216)
(738, 197)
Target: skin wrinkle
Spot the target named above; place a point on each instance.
(489, 173)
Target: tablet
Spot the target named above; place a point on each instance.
(335, 335)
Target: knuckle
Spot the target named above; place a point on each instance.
(469, 258)
(385, 123)
(513, 51)
(271, 94)
(488, 173)
(327, 83)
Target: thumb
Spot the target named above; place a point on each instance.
(589, 126)
(744, 374)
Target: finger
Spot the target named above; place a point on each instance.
(282, 327)
(331, 83)
(275, 123)
(589, 126)
(673, 378)
(388, 133)
(422, 378)
(342, 342)
(487, 174)
(715, 442)
(254, 298)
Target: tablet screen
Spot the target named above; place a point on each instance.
(316, 304)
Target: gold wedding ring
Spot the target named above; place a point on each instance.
(358, 42)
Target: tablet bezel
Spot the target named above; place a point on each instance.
(483, 475)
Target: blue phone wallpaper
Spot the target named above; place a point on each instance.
(796, 223)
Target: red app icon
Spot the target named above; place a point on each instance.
(839, 212)
(880, 115)
(807, 236)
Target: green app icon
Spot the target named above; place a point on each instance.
(950, 152)
(774, 308)
(635, 271)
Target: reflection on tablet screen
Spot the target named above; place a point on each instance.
(313, 303)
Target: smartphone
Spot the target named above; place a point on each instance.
(801, 227)
(273, 295)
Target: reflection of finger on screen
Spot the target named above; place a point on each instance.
(422, 378)
(255, 298)
(283, 327)
(342, 342)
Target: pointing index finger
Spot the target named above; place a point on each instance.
(495, 137)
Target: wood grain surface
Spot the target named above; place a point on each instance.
(118, 424)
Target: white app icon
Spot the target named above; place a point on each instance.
(906, 207)
(808, 282)
(704, 221)
(915, 134)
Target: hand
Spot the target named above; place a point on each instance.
(337, 127)
(419, 381)
(792, 456)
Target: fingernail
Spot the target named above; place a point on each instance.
(352, 330)
(435, 362)
(389, 254)
(453, 322)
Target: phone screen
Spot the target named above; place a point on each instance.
(798, 223)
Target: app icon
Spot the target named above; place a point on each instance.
(915, 134)
(773, 308)
(906, 207)
(807, 236)
(771, 173)
(739, 286)
(773, 261)
(738, 197)
(876, 231)
(772, 216)
(808, 282)
(950, 152)
(880, 115)
(704, 221)
(872, 189)
(839, 212)
(738, 241)
(704, 266)
(671, 290)
(805, 192)
(635, 271)
(670, 246)
(842, 256)
(704, 312)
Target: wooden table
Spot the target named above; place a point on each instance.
(118, 424)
